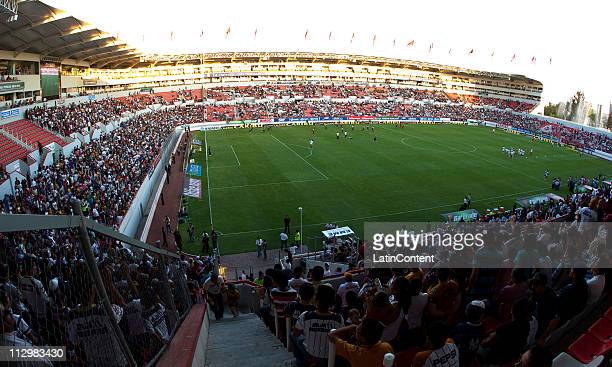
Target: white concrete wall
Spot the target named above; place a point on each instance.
(31, 82)
(199, 356)
(69, 81)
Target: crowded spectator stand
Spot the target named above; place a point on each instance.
(60, 274)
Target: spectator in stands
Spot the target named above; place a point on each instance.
(517, 289)
(441, 352)
(233, 296)
(260, 278)
(314, 326)
(281, 285)
(444, 297)
(154, 315)
(509, 340)
(265, 311)
(391, 315)
(469, 334)
(11, 290)
(304, 302)
(573, 297)
(537, 356)
(12, 336)
(368, 351)
(596, 285)
(416, 310)
(546, 305)
(316, 277)
(348, 286)
(33, 290)
(298, 278)
(214, 287)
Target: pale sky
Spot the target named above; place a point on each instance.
(575, 34)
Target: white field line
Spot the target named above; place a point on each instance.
(269, 183)
(235, 155)
(389, 214)
(227, 166)
(302, 158)
(208, 179)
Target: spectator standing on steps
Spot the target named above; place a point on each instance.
(214, 287)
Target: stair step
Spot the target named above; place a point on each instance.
(244, 341)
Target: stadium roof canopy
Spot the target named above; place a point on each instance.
(56, 35)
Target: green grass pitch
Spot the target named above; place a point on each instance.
(414, 173)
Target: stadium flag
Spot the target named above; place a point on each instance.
(492, 53)
(228, 31)
(430, 47)
(411, 43)
(533, 60)
(353, 37)
(172, 36)
(330, 36)
(450, 51)
(513, 58)
(394, 43)
(202, 34)
(306, 35)
(471, 51)
(374, 39)
(255, 34)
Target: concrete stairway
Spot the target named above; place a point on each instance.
(244, 341)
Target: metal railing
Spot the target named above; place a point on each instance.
(110, 299)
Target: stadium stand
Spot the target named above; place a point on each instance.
(31, 134)
(10, 151)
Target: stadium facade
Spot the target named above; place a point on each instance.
(251, 68)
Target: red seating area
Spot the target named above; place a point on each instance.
(31, 134)
(595, 342)
(10, 151)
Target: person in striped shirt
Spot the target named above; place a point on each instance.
(314, 326)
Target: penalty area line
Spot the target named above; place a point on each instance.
(235, 155)
(302, 158)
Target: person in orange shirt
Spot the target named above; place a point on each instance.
(369, 351)
(444, 297)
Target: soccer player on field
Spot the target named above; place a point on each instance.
(337, 135)
(345, 134)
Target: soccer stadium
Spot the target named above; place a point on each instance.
(307, 207)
